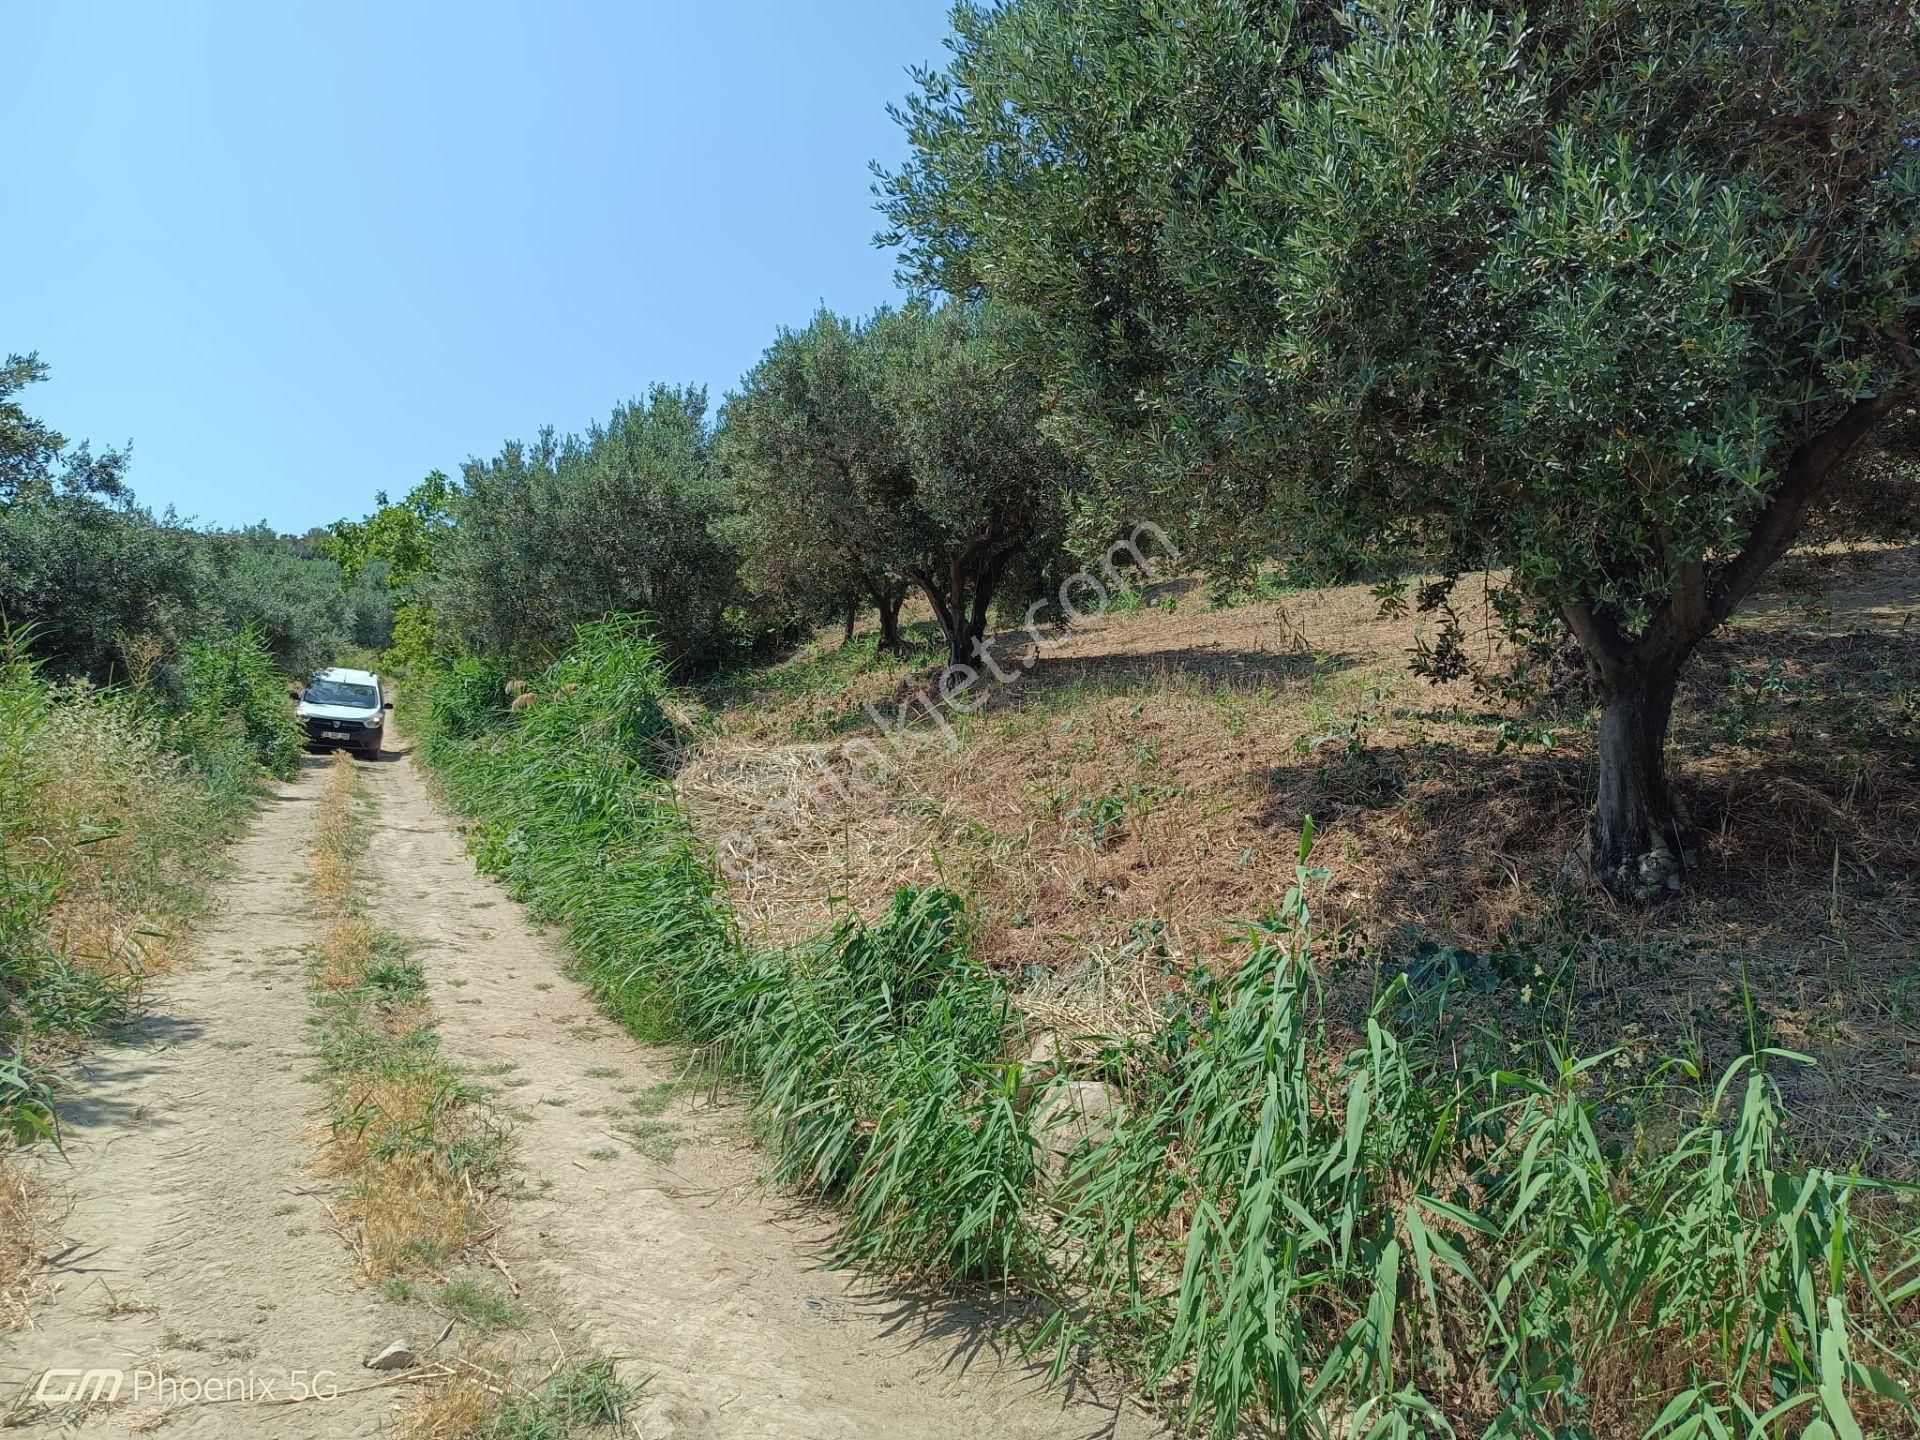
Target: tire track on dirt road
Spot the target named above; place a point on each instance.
(642, 1225)
(199, 1243)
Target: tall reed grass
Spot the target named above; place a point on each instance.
(1273, 1232)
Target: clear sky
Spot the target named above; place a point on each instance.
(300, 253)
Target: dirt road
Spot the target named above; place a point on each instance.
(640, 1229)
(199, 1243)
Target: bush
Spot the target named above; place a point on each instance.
(565, 530)
(233, 688)
(465, 698)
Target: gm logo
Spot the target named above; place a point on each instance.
(63, 1387)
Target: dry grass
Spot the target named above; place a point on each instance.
(23, 1230)
(118, 827)
(792, 862)
(481, 1395)
(107, 837)
(399, 1116)
(411, 1214)
(1139, 792)
(333, 866)
(343, 950)
(464, 1404)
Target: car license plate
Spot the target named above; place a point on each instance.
(335, 735)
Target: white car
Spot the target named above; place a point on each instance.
(344, 710)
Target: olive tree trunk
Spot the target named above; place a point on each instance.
(1635, 840)
(962, 598)
(887, 600)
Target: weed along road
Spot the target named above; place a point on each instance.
(626, 1219)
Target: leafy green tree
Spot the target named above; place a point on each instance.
(80, 566)
(984, 486)
(35, 459)
(564, 531)
(1603, 291)
(904, 450)
(393, 550)
(490, 586)
(399, 536)
(104, 588)
(291, 596)
(810, 454)
(85, 579)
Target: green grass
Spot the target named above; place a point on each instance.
(1275, 1232)
(416, 1135)
(576, 1402)
(1310, 1236)
(658, 1140)
(483, 1306)
(653, 1099)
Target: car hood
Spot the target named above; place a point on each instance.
(336, 712)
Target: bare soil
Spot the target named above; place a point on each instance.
(197, 1240)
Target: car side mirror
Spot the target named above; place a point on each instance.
(295, 693)
(387, 706)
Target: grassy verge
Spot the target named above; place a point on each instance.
(419, 1145)
(113, 807)
(1270, 1228)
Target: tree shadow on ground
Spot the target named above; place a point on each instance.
(1793, 927)
(1179, 667)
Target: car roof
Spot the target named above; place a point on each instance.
(350, 677)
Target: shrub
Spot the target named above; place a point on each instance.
(232, 686)
(466, 697)
(564, 530)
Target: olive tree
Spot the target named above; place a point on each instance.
(983, 483)
(808, 454)
(907, 449)
(100, 586)
(565, 530)
(1603, 292)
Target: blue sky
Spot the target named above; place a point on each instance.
(298, 254)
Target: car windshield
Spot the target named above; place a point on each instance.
(342, 692)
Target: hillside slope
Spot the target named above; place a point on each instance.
(1135, 789)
